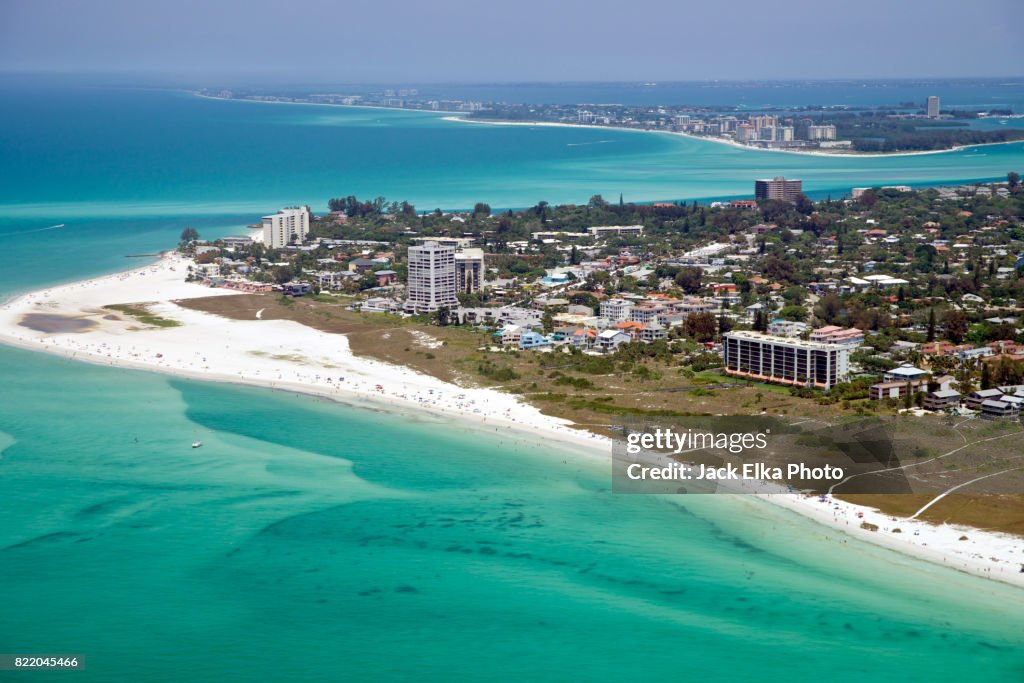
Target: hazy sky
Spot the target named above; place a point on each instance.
(482, 40)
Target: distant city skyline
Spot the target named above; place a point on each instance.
(463, 41)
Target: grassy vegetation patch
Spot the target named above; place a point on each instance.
(143, 315)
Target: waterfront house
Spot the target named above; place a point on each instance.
(532, 340)
(509, 335)
(884, 390)
(995, 409)
(609, 340)
(939, 401)
(380, 305)
(330, 280)
(897, 388)
(296, 288)
(975, 399)
(582, 337)
(653, 332)
(904, 373)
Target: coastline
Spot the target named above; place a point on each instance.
(243, 360)
(288, 356)
(732, 143)
(459, 117)
(320, 104)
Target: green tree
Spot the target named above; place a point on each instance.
(761, 321)
(442, 316)
(584, 299)
(986, 376)
(1013, 180)
(189, 235)
(368, 280)
(283, 274)
(804, 205)
(689, 279)
(548, 322)
(956, 326)
(798, 313)
(542, 210)
(701, 327)
(931, 325)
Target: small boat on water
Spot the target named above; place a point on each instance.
(197, 444)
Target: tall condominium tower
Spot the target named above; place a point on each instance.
(287, 224)
(432, 278)
(778, 188)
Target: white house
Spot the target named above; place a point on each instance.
(787, 328)
(610, 339)
(904, 373)
(510, 335)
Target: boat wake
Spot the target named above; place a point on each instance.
(26, 232)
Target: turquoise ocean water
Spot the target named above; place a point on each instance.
(313, 541)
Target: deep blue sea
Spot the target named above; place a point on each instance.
(314, 541)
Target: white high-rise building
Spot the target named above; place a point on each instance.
(432, 278)
(933, 107)
(765, 121)
(469, 270)
(287, 224)
(823, 132)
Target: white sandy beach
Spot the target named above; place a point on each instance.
(289, 356)
(273, 353)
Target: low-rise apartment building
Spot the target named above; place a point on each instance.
(785, 360)
(939, 401)
(616, 310)
(787, 328)
(832, 334)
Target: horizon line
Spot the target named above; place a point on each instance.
(651, 82)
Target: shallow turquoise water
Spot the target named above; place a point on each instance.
(312, 541)
(95, 152)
